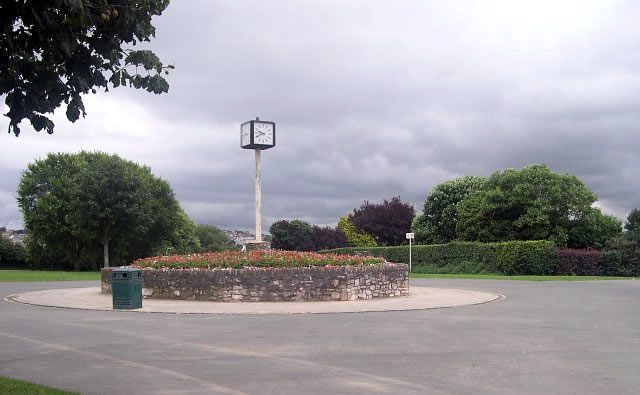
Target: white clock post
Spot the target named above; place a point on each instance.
(258, 135)
(258, 199)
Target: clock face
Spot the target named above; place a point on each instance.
(245, 134)
(263, 133)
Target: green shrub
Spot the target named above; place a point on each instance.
(12, 255)
(355, 237)
(526, 257)
(622, 258)
(435, 255)
(463, 267)
(513, 257)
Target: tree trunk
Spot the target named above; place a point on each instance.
(76, 263)
(105, 244)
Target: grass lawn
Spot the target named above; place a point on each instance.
(14, 387)
(43, 275)
(521, 278)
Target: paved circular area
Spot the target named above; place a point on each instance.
(420, 298)
(544, 338)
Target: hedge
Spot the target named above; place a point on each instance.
(437, 255)
(622, 258)
(580, 262)
(539, 257)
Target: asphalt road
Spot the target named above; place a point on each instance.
(545, 337)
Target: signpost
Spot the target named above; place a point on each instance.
(258, 135)
(410, 237)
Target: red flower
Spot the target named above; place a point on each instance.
(270, 258)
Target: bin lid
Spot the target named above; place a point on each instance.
(126, 269)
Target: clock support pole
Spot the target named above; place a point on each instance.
(258, 199)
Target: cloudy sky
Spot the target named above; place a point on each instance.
(372, 99)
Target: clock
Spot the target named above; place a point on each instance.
(258, 135)
(245, 134)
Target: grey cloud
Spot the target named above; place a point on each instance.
(372, 100)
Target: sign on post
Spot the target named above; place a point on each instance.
(410, 236)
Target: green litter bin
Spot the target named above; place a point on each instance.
(126, 288)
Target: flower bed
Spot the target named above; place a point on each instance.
(262, 276)
(238, 260)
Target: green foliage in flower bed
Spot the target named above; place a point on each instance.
(238, 260)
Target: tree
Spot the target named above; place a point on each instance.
(57, 51)
(74, 203)
(172, 230)
(295, 235)
(213, 238)
(622, 257)
(355, 238)
(109, 201)
(622, 254)
(44, 191)
(326, 238)
(181, 239)
(388, 222)
(593, 229)
(532, 203)
(298, 235)
(633, 222)
(437, 223)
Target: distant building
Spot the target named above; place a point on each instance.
(15, 235)
(241, 237)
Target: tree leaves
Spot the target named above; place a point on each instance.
(437, 223)
(73, 202)
(387, 222)
(213, 239)
(298, 235)
(295, 235)
(40, 122)
(74, 108)
(144, 58)
(54, 52)
(633, 221)
(355, 238)
(534, 203)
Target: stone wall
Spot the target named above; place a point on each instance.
(273, 284)
(258, 246)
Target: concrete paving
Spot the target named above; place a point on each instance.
(544, 337)
(420, 298)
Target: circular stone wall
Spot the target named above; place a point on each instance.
(273, 284)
